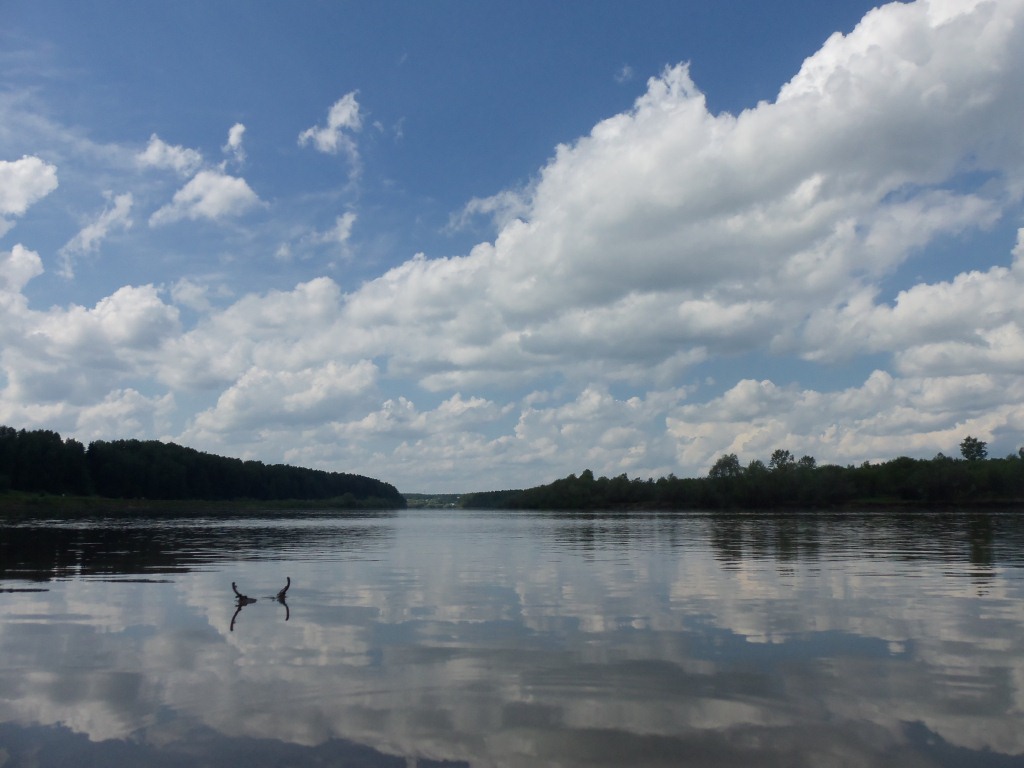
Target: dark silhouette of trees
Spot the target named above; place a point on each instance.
(726, 466)
(41, 462)
(787, 482)
(781, 461)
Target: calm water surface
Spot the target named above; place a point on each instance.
(501, 639)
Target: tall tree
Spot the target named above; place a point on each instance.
(727, 465)
(781, 460)
(973, 449)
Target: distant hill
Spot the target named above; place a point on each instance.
(41, 461)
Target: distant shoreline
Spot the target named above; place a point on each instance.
(40, 506)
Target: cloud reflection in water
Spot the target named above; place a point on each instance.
(526, 640)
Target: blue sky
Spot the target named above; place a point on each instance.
(465, 246)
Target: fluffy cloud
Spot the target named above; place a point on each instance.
(17, 267)
(650, 260)
(121, 413)
(882, 417)
(262, 398)
(22, 183)
(190, 294)
(607, 434)
(670, 236)
(280, 330)
(208, 195)
(972, 317)
(65, 361)
(160, 154)
(669, 228)
(125, 413)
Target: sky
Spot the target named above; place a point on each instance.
(465, 246)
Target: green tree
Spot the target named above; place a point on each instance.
(973, 449)
(726, 466)
(781, 460)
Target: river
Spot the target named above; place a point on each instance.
(515, 639)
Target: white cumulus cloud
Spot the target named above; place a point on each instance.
(262, 398)
(17, 267)
(160, 154)
(670, 228)
(208, 195)
(655, 297)
(23, 183)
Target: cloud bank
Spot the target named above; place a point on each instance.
(604, 324)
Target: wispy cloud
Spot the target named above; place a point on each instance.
(115, 216)
(343, 119)
(234, 146)
(502, 207)
(341, 231)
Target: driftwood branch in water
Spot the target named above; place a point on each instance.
(243, 600)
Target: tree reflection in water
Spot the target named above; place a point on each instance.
(42, 550)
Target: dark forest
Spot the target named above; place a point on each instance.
(40, 461)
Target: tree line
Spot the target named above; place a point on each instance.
(786, 481)
(40, 461)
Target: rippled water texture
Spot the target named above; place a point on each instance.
(502, 639)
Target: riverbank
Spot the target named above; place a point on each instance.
(32, 505)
